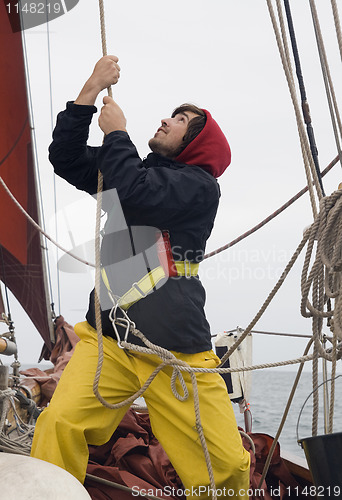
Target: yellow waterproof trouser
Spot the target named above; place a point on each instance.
(75, 418)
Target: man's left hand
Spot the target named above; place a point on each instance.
(111, 117)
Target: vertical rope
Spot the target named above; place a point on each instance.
(283, 420)
(98, 319)
(200, 432)
(307, 157)
(315, 393)
(103, 37)
(337, 25)
(332, 101)
(332, 390)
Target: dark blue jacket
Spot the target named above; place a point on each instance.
(158, 192)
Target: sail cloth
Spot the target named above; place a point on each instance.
(2, 307)
(21, 260)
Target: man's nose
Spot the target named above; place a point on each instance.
(165, 121)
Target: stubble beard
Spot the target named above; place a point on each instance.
(158, 147)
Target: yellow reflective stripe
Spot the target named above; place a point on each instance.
(142, 287)
(146, 284)
(186, 268)
(105, 279)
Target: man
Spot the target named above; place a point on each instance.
(174, 190)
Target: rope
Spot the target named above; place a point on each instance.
(332, 101)
(270, 217)
(325, 281)
(337, 25)
(306, 153)
(98, 320)
(249, 439)
(283, 420)
(221, 249)
(332, 391)
(330, 209)
(268, 299)
(34, 223)
(315, 394)
(118, 486)
(305, 104)
(20, 443)
(327, 230)
(168, 358)
(307, 399)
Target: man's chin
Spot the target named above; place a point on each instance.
(155, 146)
(160, 149)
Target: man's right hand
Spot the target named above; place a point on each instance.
(106, 73)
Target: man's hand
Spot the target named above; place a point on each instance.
(111, 117)
(106, 73)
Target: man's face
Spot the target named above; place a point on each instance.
(169, 137)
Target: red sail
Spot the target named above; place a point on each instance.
(21, 260)
(2, 307)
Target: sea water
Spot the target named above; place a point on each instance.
(270, 391)
(269, 395)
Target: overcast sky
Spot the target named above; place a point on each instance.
(220, 55)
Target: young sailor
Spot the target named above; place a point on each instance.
(174, 190)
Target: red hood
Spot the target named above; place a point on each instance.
(209, 150)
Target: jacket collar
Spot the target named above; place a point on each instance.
(154, 160)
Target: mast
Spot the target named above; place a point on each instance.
(22, 262)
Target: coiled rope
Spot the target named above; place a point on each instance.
(21, 443)
(322, 283)
(325, 282)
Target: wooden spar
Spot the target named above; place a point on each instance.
(7, 347)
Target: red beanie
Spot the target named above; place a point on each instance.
(209, 150)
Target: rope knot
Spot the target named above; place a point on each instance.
(6, 393)
(177, 374)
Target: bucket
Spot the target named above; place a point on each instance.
(324, 457)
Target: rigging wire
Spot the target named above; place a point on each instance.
(35, 153)
(10, 151)
(54, 176)
(305, 104)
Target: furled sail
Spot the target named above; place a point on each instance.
(21, 257)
